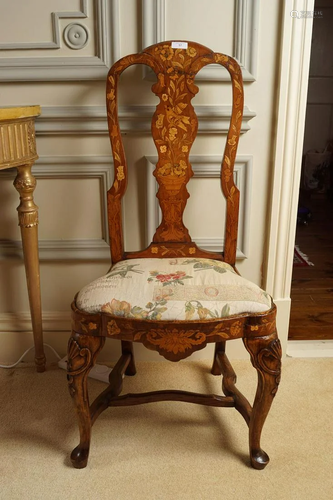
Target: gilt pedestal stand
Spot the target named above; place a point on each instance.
(18, 149)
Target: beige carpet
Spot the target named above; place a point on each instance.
(167, 450)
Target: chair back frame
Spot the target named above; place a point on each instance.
(174, 129)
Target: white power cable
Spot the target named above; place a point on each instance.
(99, 372)
(26, 352)
(55, 352)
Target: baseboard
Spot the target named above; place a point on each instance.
(310, 348)
(53, 321)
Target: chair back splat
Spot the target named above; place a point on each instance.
(174, 129)
(173, 297)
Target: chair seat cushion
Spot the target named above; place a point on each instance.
(172, 289)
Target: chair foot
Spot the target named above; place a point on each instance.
(259, 459)
(79, 457)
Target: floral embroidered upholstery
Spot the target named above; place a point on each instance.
(172, 289)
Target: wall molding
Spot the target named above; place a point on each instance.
(55, 18)
(62, 167)
(245, 43)
(60, 120)
(50, 68)
(59, 250)
(53, 321)
(207, 166)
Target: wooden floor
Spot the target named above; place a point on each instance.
(312, 286)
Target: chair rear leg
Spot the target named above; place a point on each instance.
(82, 353)
(127, 348)
(219, 347)
(266, 358)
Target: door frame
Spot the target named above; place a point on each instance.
(296, 38)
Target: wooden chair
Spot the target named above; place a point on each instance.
(173, 297)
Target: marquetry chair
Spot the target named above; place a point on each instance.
(173, 297)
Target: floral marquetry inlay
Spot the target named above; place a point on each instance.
(173, 340)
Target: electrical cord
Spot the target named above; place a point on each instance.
(26, 352)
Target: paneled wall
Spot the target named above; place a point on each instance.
(56, 53)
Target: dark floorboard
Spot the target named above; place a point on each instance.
(312, 287)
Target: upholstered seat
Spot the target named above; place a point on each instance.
(172, 289)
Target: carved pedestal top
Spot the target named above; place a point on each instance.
(17, 136)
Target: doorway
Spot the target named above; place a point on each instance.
(311, 316)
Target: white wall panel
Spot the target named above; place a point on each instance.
(231, 28)
(46, 31)
(204, 25)
(79, 43)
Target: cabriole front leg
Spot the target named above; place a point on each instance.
(266, 358)
(82, 353)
